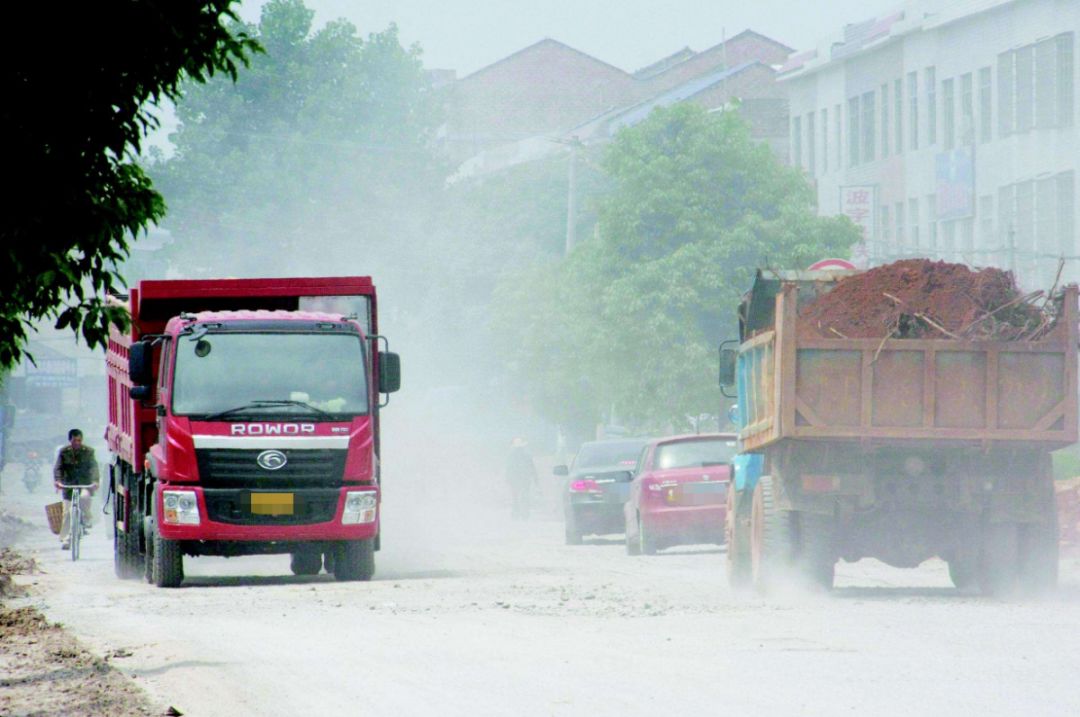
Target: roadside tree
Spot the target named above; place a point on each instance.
(695, 208)
(80, 85)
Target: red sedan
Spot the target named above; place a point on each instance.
(679, 492)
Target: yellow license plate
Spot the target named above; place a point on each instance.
(272, 503)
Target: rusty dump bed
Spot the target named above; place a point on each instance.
(940, 390)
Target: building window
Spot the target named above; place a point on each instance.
(853, 131)
(1065, 79)
(967, 237)
(1025, 89)
(985, 103)
(948, 239)
(824, 140)
(1046, 239)
(930, 80)
(885, 234)
(839, 138)
(884, 121)
(986, 222)
(948, 109)
(898, 109)
(1046, 68)
(868, 116)
(811, 145)
(1006, 93)
(796, 141)
(913, 107)
(1066, 211)
(931, 224)
(913, 220)
(1024, 234)
(1007, 222)
(967, 110)
(901, 237)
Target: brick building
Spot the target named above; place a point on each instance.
(502, 113)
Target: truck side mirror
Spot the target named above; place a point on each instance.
(727, 366)
(389, 372)
(139, 368)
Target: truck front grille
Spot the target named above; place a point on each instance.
(239, 468)
(308, 507)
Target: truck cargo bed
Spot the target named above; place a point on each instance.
(814, 388)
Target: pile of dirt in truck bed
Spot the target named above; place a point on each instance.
(920, 298)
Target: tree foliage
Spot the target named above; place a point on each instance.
(632, 319)
(312, 155)
(79, 84)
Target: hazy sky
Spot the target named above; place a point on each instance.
(466, 35)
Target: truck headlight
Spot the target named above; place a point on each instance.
(360, 507)
(181, 507)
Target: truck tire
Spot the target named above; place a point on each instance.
(306, 563)
(737, 536)
(816, 550)
(646, 542)
(1039, 556)
(125, 558)
(168, 563)
(963, 572)
(999, 558)
(355, 560)
(770, 538)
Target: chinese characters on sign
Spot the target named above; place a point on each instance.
(858, 203)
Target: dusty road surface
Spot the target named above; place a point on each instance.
(472, 614)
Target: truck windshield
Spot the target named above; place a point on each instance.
(281, 373)
(695, 454)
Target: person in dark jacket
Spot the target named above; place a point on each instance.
(521, 477)
(75, 465)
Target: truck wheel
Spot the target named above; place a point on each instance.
(646, 542)
(770, 537)
(168, 563)
(999, 558)
(306, 563)
(355, 560)
(1039, 556)
(124, 563)
(737, 536)
(963, 572)
(816, 558)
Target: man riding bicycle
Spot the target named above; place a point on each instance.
(75, 465)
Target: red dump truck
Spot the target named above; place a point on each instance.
(900, 449)
(244, 419)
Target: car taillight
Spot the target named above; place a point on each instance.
(584, 486)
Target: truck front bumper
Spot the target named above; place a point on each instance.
(242, 514)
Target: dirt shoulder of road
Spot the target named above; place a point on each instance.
(44, 671)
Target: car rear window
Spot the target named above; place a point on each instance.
(695, 454)
(609, 453)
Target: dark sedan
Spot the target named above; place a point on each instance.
(598, 483)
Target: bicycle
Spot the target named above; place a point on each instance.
(75, 519)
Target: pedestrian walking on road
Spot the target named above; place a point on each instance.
(75, 465)
(521, 477)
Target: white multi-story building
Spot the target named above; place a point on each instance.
(949, 129)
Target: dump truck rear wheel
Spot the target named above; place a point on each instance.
(1038, 548)
(737, 535)
(770, 539)
(999, 559)
(816, 559)
(305, 563)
